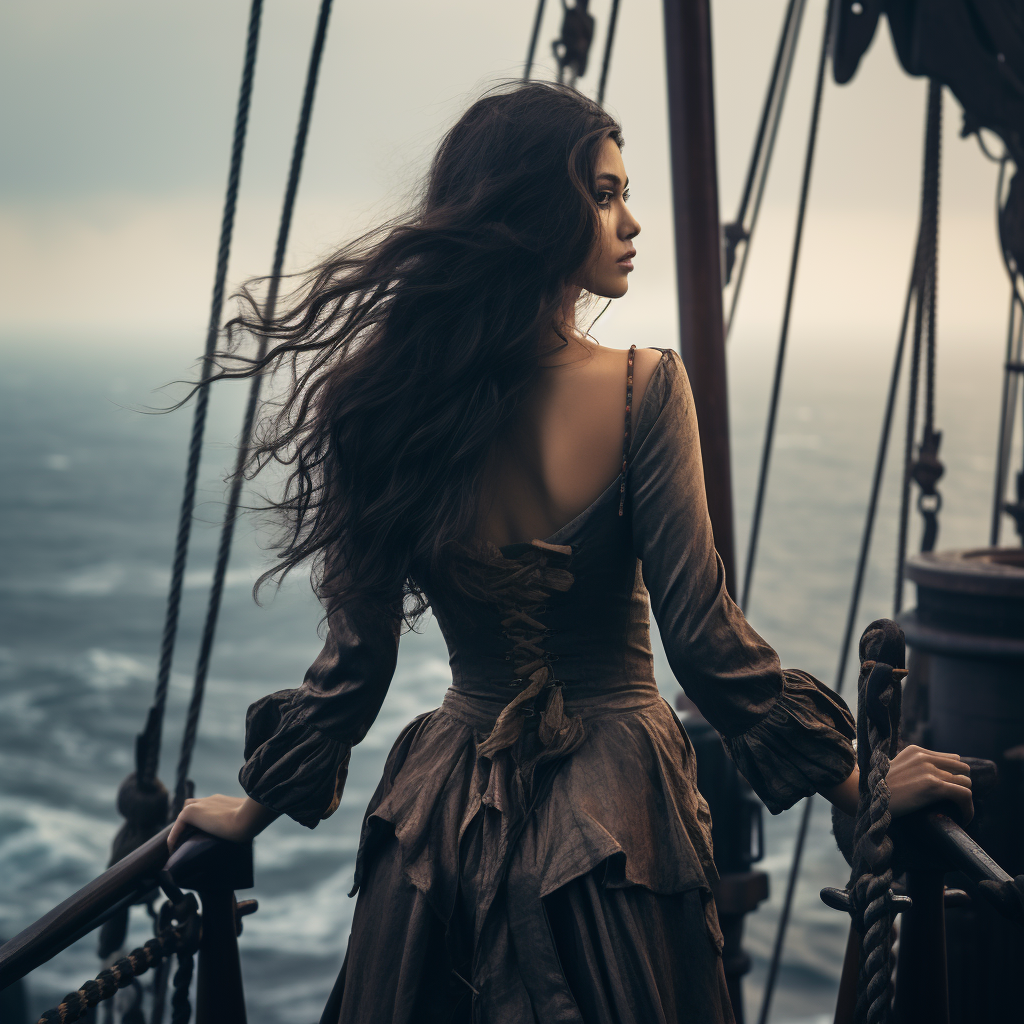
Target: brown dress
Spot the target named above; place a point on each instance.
(537, 849)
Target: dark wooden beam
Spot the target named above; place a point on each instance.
(698, 252)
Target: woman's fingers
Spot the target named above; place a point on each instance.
(956, 788)
(962, 798)
(180, 824)
(216, 814)
(949, 762)
(919, 777)
(939, 758)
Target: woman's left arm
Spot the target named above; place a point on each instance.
(298, 742)
(238, 819)
(917, 777)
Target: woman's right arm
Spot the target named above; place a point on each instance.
(789, 734)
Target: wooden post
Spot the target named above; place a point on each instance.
(698, 252)
(922, 991)
(220, 998)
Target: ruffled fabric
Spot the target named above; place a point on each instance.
(628, 793)
(802, 746)
(290, 766)
(622, 807)
(298, 742)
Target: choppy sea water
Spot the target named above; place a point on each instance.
(87, 514)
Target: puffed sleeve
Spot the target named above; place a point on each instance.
(298, 742)
(789, 734)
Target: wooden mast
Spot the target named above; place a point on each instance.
(698, 252)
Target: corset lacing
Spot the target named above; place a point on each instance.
(544, 570)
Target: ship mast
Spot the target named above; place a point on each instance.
(698, 252)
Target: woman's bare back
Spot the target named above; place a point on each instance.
(565, 448)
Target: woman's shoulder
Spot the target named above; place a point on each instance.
(659, 378)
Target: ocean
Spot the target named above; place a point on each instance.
(91, 487)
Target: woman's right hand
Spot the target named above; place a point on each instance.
(919, 777)
(237, 819)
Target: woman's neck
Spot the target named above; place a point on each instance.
(564, 342)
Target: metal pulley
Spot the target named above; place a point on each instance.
(572, 47)
(926, 471)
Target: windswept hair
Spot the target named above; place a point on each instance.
(409, 349)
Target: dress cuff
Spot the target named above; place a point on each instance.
(291, 766)
(802, 746)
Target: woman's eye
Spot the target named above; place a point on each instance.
(604, 198)
(625, 196)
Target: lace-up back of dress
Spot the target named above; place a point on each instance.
(567, 609)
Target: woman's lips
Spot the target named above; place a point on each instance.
(627, 260)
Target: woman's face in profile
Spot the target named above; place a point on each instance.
(609, 266)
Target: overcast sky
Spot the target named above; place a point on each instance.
(116, 119)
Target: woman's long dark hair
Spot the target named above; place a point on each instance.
(409, 348)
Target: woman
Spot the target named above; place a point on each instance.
(537, 849)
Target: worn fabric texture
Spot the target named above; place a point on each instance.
(537, 848)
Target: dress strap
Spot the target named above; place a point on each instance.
(629, 427)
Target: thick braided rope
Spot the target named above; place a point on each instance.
(872, 893)
(872, 856)
(119, 975)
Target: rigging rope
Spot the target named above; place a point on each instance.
(532, 51)
(1007, 412)
(148, 743)
(1010, 217)
(771, 117)
(926, 469)
(606, 62)
(182, 786)
(142, 798)
(762, 480)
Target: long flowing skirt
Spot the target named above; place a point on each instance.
(629, 955)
